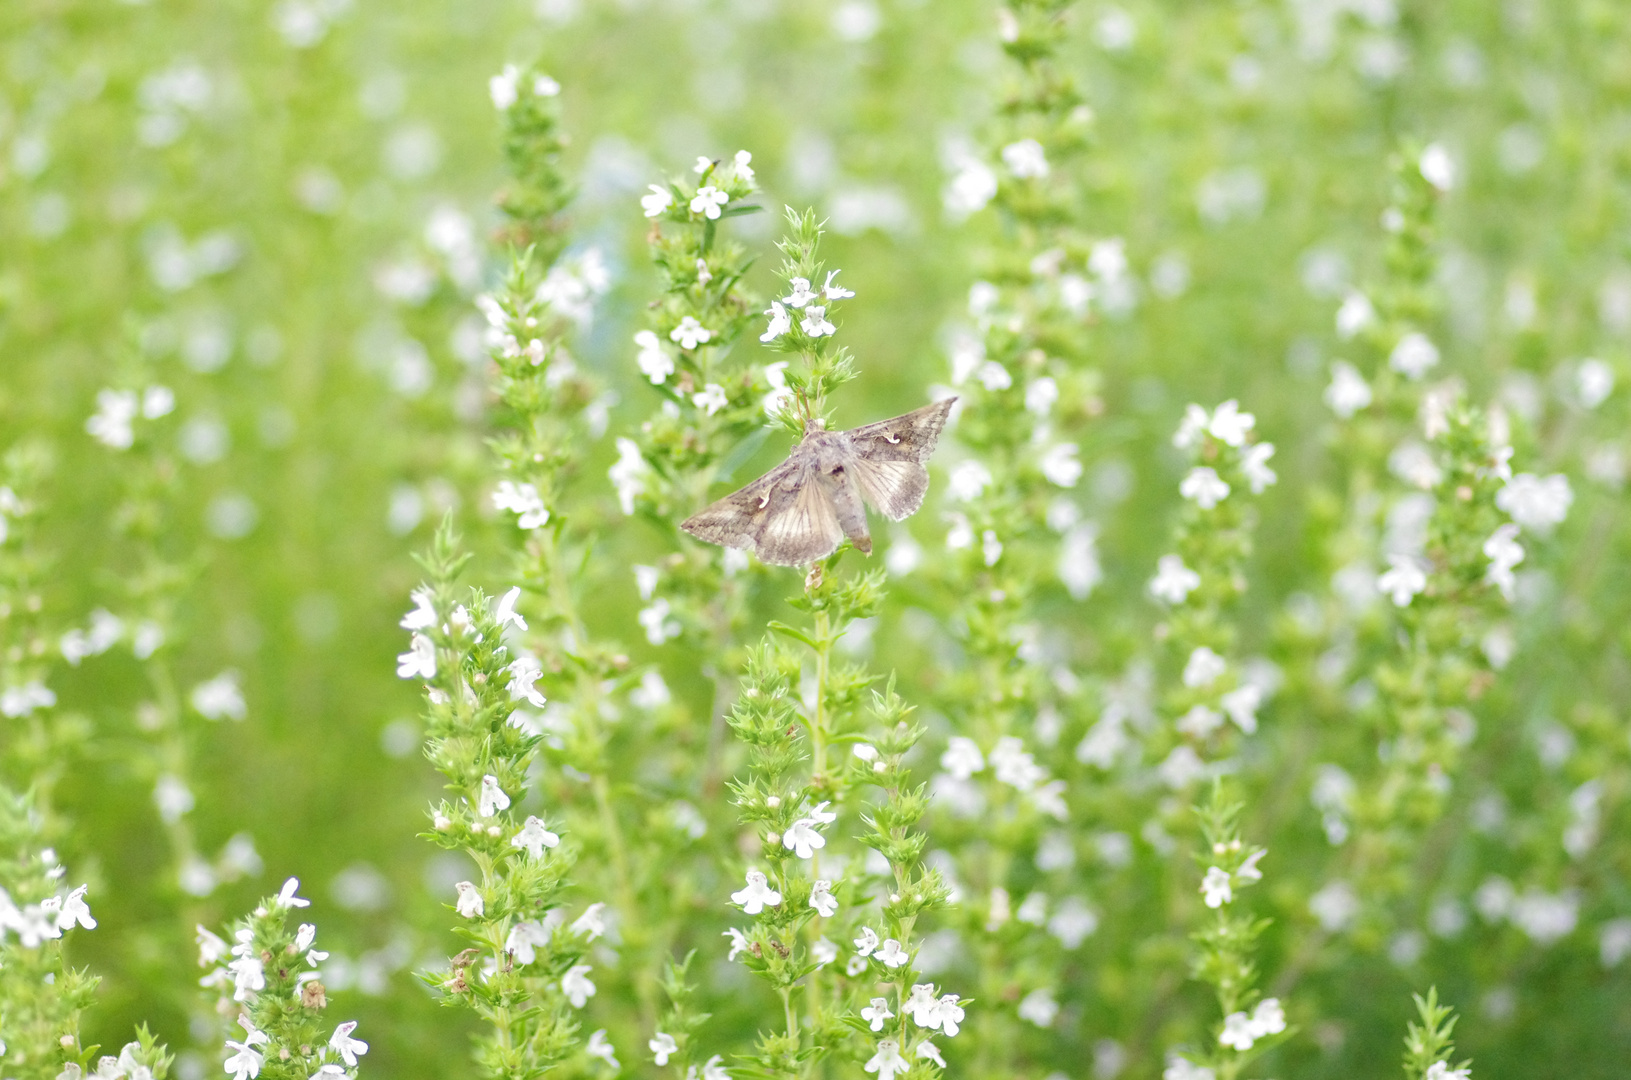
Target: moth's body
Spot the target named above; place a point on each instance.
(803, 509)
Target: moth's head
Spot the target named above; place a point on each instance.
(814, 423)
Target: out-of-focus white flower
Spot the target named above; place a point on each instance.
(659, 200)
(221, 699)
(711, 399)
(1254, 462)
(1229, 424)
(628, 474)
(1356, 314)
(576, 986)
(504, 88)
(1173, 581)
(112, 423)
(1215, 887)
(1060, 466)
(1204, 487)
(1414, 356)
(1204, 667)
(1437, 167)
(1039, 1007)
(662, 1045)
(522, 500)
(1403, 581)
(690, 333)
(1348, 392)
(654, 363)
(1026, 159)
(1536, 503)
(1504, 553)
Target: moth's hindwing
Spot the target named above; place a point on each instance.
(893, 488)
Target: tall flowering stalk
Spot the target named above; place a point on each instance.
(268, 983)
(1250, 1025)
(1427, 1045)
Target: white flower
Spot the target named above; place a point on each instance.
(710, 398)
(492, 798)
(524, 672)
(744, 169)
(523, 500)
(111, 426)
(1200, 721)
(1026, 159)
(739, 943)
(1215, 887)
(834, 292)
(1248, 870)
(951, 1014)
(690, 333)
(801, 295)
(923, 1006)
(1269, 1018)
(662, 1046)
(1355, 314)
(887, 1061)
(1237, 1031)
(544, 86)
(628, 475)
(1230, 425)
(1204, 486)
(815, 322)
(891, 954)
(962, 758)
(505, 614)
(865, 751)
(1060, 466)
(1241, 704)
(1504, 553)
(1534, 502)
(23, 700)
(654, 363)
(930, 1052)
(659, 200)
(248, 977)
(1183, 1069)
(1414, 356)
(247, 1062)
(1440, 1070)
(576, 986)
(1254, 462)
(1405, 579)
(994, 377)
(824, 951)
(469, 904)
(703, 165)
(1191, 427)
(423, 615)
(1203, 668)
(592, 923)
(757, 895)
(708, 202)
(1039, 1008)
(1040, 395)
(1348, 392)
(969, 478)
(286, 897)
(160, 401)
(714, 1067)
(655, 619)
(1173, 581)
(1437, 167)
(220, 698)
(1015, 766)
(504, 87)
(780, 322)
(600, 1047)
(866, 941)
(343, 1044)
(419, 661)
(523, 940)
(973, 186)
(822, 899)
(876, 1013)
(534, 838)
(75, 910)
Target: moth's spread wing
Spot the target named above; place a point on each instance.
(801, 525)
(905, 438)
(735, 520)
(784, 516)
(889, 457)
(893, 488)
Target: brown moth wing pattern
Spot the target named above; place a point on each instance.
(889, 457)
(802, 525)
(737, 519)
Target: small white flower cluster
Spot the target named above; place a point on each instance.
(24, 699)
(113, 423)
(35, 924)
(813, 322)
(102, 634)
(709, 199)
(1229, 426)
(523, 501)
(505, 87)
(1010, 764)
(889, 952)
(1217, 886)
(127, 1066)
(1242, 1030)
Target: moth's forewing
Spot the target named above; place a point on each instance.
(736, 520)
(910, 437)
(801, 526)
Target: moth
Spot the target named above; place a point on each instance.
(801, 510)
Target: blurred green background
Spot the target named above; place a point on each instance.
(280, 210)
